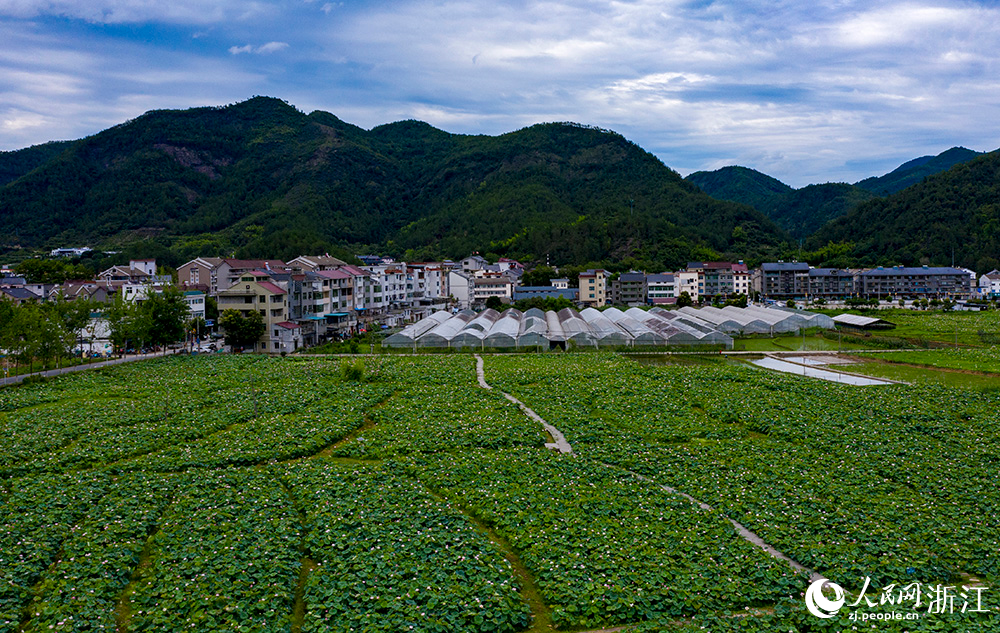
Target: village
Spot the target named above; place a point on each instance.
(309, 300)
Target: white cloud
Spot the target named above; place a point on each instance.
(136, 11)
(800, 90)
(264, 49)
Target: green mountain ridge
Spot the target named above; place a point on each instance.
(950, 216)
(912, 172)
(260, 178)
(804, 211)
(799, 211)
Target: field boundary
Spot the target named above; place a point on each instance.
(559, 442)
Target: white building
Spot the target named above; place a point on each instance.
(195, 300)
(660, 288)
(989, 285)
(687, 281)
(462, 286)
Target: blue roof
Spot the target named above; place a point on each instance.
(784, 267)
(914, 270)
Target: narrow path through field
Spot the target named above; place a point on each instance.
(740, 529)
(563, 446)
(559, 442)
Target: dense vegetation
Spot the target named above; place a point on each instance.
(802, 212)
(799, 211)
(260, 178)
(950, 216)
(390, 493)
(914, 171)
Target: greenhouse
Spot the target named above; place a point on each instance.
(699, 330)
(715, 317)
(750, 324)
(574, 328)
(813, 319)
(409, 334)
(779, 322)
(796, 320)
(505, 330)
(475, 331)
(612, 327)
(534, 329)
(640, 333)
(441, 335)
(605, 332)
(664, 327)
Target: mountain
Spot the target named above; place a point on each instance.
(799, 211)
(912, 172)
(260, 178)
(803, 211)
(950, 215)
(13, 165)
(740, 184)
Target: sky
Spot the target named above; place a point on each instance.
(807, 92)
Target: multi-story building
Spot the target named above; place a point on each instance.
(492, 285)
(138, 271)
(629, 289)
(195, 300)
(430, 281)
(316, 262)
(218, 274)
(660, 289)
(925, 281)
(780, 280)
(989, 285)
(255, 291)
(688, 281)
(830, 283)
(200, 273)
(720, 279)
(462, 286)
(594, 288)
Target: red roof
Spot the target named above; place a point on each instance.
(255, 263)
(267, 285)
(288, 325)
(333, 274)
(354, 270)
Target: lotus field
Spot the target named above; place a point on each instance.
(243, 493)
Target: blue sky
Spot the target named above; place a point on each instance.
(823, 91)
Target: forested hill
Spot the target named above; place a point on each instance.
(799, 211)
(262, 178)
(912, 172)
(952, 214)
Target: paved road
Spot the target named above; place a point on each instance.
(13, 380)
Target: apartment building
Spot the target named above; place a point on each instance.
(660, 289)
(629, 289)
(594, 288)
(907, 281)
(255, 291)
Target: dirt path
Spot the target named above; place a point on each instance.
(558, 443)
(740, 528)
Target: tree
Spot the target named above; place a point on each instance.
(684, 300)
(539, 276)
(166, 313)
(241, 331)
(494, 303)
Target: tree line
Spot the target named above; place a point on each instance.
(49, 333)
